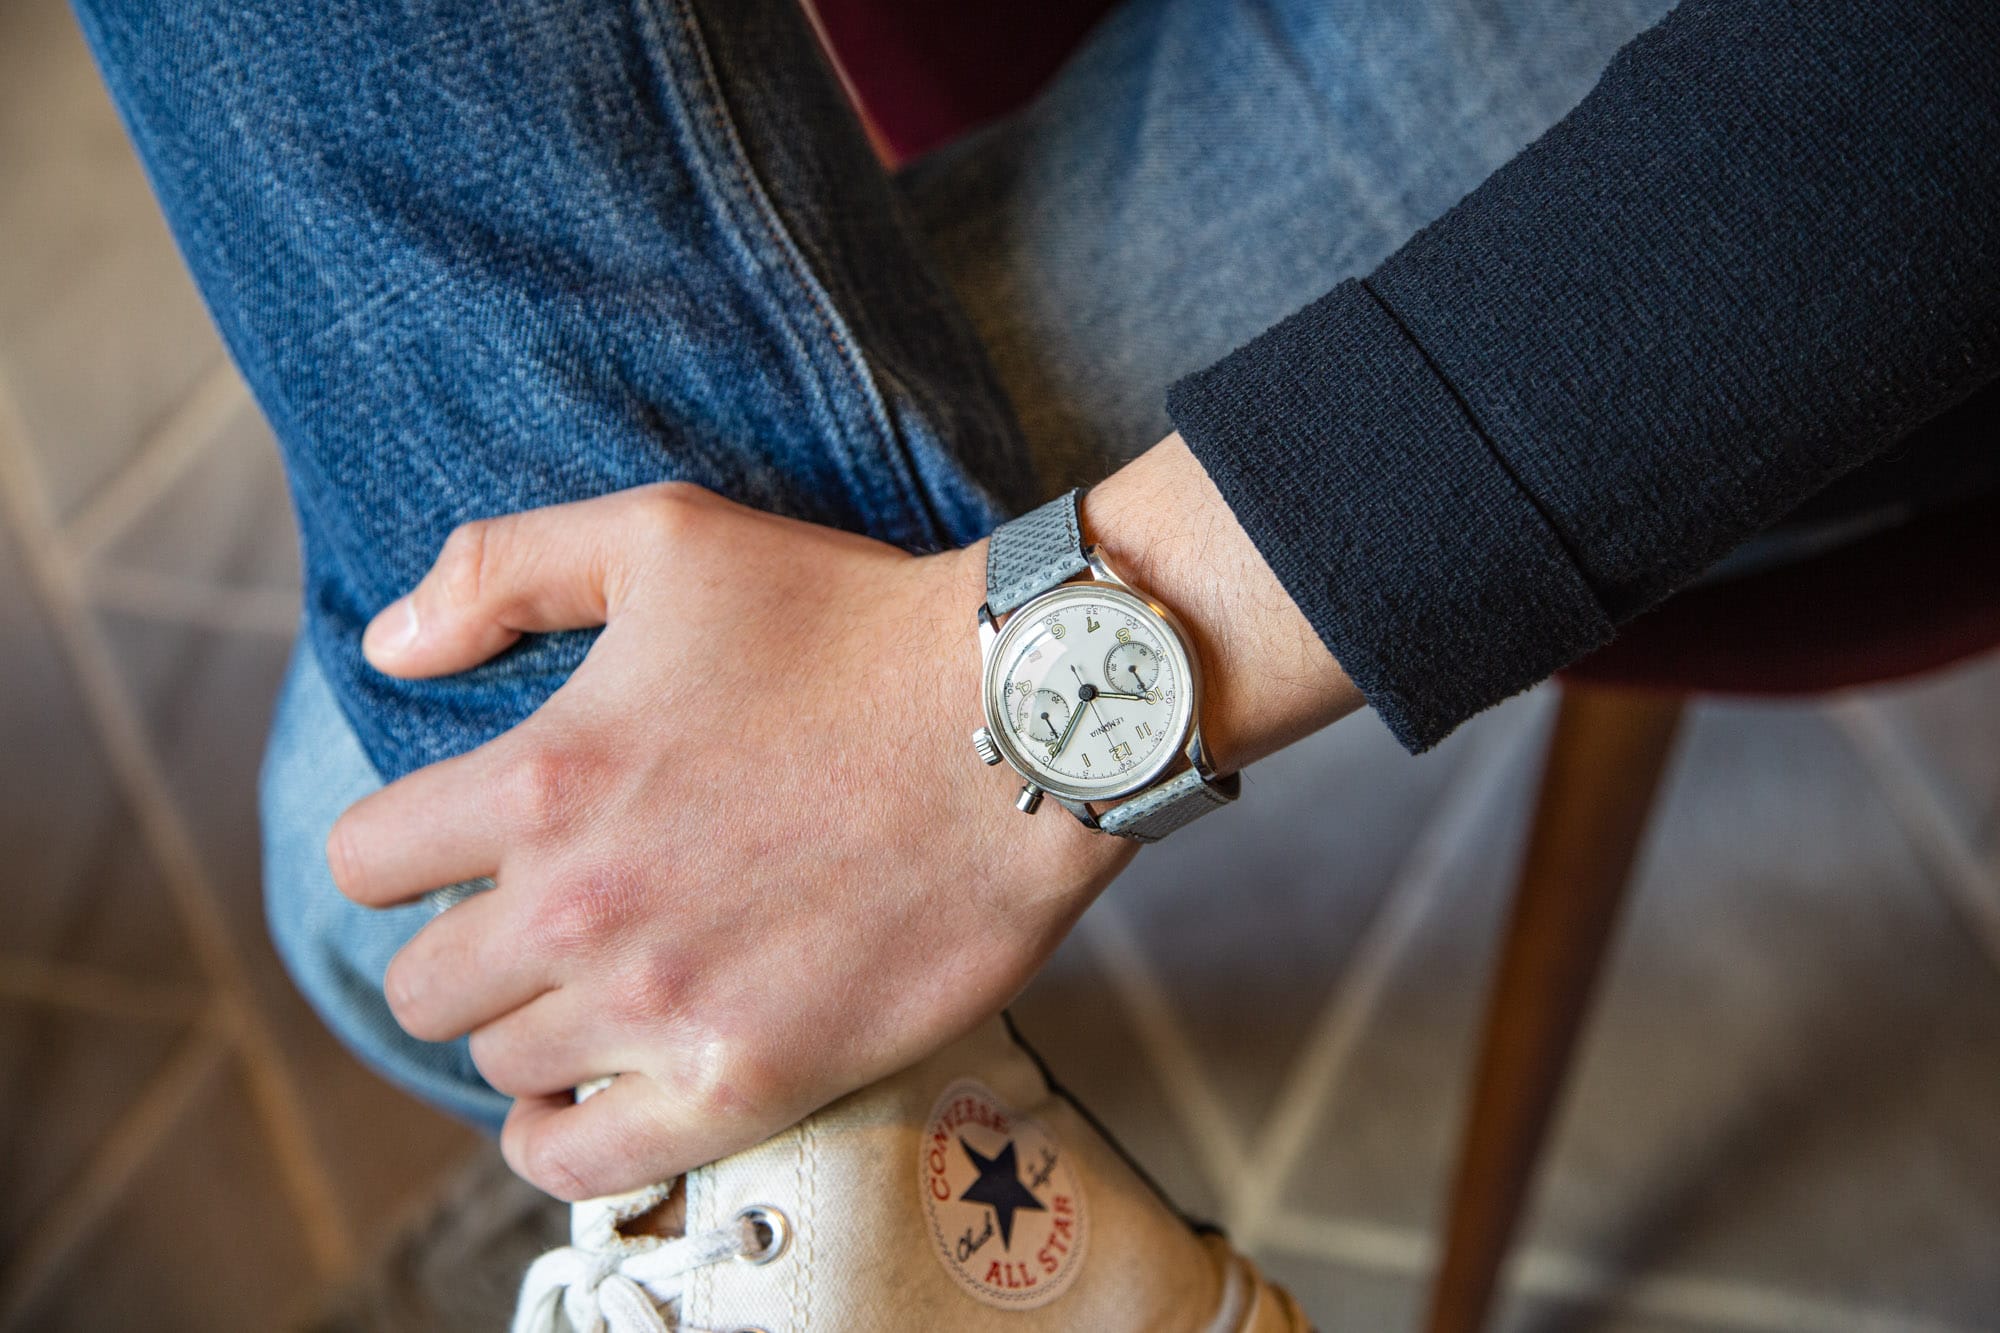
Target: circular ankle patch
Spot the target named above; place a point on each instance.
(1003, 1204)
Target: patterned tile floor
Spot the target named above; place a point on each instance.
(1784, 1120)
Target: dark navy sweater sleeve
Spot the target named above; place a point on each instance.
(1764, 247)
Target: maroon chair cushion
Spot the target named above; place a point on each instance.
(1892, 605)
(929, 70)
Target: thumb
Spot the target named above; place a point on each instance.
(499, 578)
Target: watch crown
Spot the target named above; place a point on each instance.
(982, 741)
(1030, 799)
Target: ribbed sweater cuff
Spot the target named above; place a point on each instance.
(1432, 577)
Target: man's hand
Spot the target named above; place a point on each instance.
(744, 858)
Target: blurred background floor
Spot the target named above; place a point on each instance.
(1785, 1120)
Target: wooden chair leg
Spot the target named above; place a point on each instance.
(1604, 765)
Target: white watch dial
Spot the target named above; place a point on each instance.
(1088, 691)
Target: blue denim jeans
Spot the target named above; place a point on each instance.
(477, 258)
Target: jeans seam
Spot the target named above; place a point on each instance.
(751, 201)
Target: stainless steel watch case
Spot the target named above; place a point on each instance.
(986, 739)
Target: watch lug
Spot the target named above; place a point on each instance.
(1197, 754)
(1100, 568)
(1082, 812)
(989, 633)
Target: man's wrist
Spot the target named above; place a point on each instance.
(1268, 680)
(1074, 858)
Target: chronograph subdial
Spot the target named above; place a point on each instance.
(1042, 716)
(1131, 668)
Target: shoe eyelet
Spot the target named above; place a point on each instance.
(771, 1227)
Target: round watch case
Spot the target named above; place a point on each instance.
(1021, 621)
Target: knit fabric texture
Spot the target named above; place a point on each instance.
(1763, 249)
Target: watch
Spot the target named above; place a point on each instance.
(1090, 691)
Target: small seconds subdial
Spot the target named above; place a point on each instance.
(1042, 716)
(1131, 668)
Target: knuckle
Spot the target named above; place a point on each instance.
(646, 996)
(667, 509)
(523, 789)
(580, 913)
(539, 786)
(461, 565)
(724, 1079)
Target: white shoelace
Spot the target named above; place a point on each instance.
(602, 1292)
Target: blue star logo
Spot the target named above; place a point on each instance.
(999, 1187)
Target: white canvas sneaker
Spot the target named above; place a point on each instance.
(963, 1194)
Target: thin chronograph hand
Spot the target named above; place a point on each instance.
(1062, 740)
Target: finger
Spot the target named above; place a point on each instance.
(634, 1133)
(544, 1048)
(464, 970)
(620, 1139)
(440, 825)
(534, 572)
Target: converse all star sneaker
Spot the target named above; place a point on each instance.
(963, 1194)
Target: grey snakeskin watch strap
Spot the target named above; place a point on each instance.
(1034, 553)
(1181, 799)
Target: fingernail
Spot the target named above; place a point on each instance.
(392, 631)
